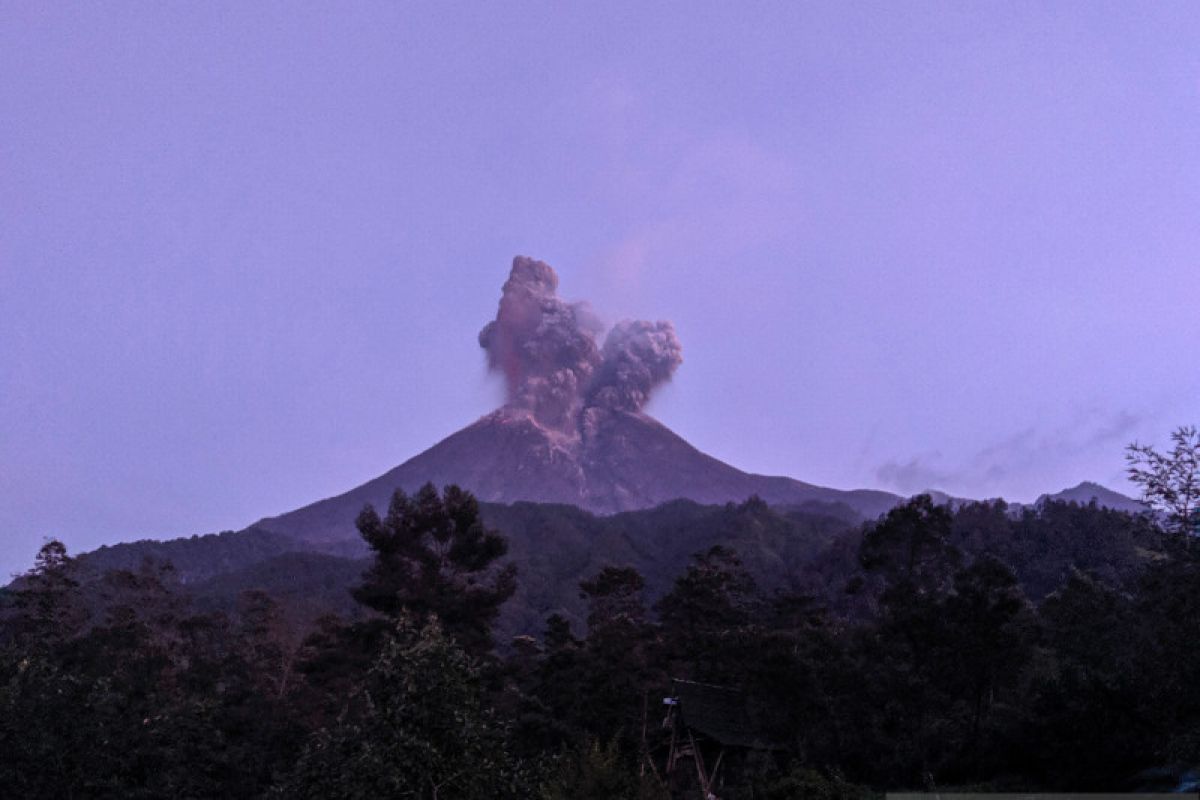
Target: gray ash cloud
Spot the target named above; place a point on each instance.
(637, 358)
(548, 351)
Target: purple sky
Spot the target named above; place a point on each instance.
(245, 249)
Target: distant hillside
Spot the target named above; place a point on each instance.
(556, 546)
(571, 470)
(1043, 543)
(306, 584)
(553, 546)
(1087, 491)
(195, 558)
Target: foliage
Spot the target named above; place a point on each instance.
(1170, 481)
(145, 700)
(600, 772)
(710, 610)
(433, 556)
(984, 646)
(911, 547)
(417, 728)
(614, 668)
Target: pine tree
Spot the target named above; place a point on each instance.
(434, 556)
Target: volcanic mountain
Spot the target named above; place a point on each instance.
(573, 430)
(571, 468)
(629, 461)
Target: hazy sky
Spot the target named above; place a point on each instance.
(245, 248)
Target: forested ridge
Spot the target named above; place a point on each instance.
(979, 647)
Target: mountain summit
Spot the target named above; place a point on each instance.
(572, 429)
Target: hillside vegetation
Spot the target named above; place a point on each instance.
(524, 651)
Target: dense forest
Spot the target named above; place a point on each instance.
(979, 647)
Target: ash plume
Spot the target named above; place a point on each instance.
(548, 351)
(637, 358)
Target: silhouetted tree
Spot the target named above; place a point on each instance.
(1170, 481)
(433, 555)
(1167, 614)
(46, 605)
(615, 668)
(911, 547)
(989, 633)
(1087, 727)
(709, 610)
(417, 728)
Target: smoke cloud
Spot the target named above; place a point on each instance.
(638, 356)
(547, 350)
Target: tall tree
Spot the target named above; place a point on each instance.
(1088, 725)
(988, 635)
(1170, 481)
(911, 547)
(614, 672)
(708, 611)
(47, 606)
(433, 555)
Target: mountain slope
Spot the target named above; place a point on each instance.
(554, 546)
(620, 461)
(1087, 491)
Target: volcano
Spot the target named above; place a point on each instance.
(573, 429)
(630, 461)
